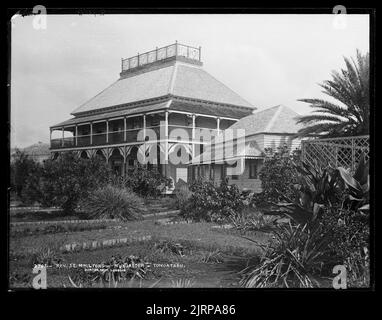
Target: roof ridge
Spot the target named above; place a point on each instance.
(74, 111)
(272, 121)
(266, 109)
(172, 80)
(217, 80)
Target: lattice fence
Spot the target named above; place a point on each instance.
(336, 152)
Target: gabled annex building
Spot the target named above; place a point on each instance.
(241, 158)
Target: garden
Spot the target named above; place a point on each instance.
(87, 227)
(90, 228)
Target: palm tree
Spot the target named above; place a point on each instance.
(350, 87)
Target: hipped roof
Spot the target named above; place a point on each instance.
(173, 78)
(278, 119)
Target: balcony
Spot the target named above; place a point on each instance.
(182, 133)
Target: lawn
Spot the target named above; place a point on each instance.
(209, 256)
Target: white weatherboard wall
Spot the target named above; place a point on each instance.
(276, 140)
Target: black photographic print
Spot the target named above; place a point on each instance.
(154, 149)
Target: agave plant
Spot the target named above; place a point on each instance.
(255, 222)
(120, 268)
(113, 283)
(116, 270)
(113, 202)
(317, 185)
(296, 254)
(215, 256)
(169, 246)
(316, 188)
(182, 283)
(358, 185)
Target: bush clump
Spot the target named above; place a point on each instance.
(68, 179)
(215, 203)
(183, 195)
(146, 182)
(278, 174)
(295, 258)
(113, 202)
(329, 226)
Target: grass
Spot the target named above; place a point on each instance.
(43, 215)
(167, 269)
(199, 263)
(198, 233)
(33, 230)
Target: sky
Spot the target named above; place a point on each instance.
(267, 59)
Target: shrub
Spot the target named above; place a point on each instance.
(254, 222)
(314, 189)
(111, 272)
(111, 202)
(66, 180)
(351, 243)
(294, 259)
(278, 174)
(146, 182)
(32, 191)
(336, 231)
(357, 185)
(182, 283)
(46, 255)
(23, 168)
(183, 195)
(170, 246)
(215, 203)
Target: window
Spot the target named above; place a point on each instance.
(223, 172)
(253, 170)
(212, 172)
(195, 172)
(235, 177)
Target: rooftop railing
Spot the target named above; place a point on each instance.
(163, 53)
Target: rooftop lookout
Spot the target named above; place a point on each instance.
(171, 52)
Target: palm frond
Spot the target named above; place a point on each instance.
(350, 87)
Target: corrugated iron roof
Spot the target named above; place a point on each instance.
(114, 114)
(210, 109)
(278, 119)
(175, 78)
(215, 153)
(194, 82)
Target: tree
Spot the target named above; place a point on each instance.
(21, 167)
(350, 87)
(68, 179)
